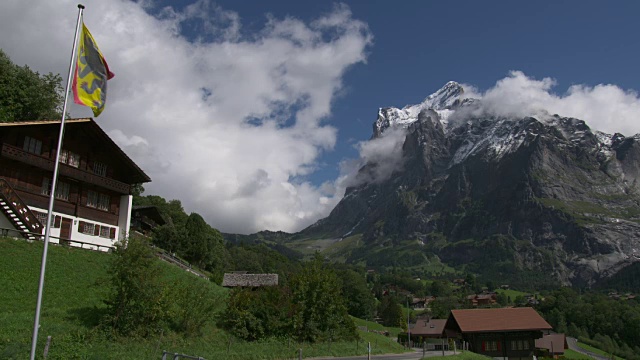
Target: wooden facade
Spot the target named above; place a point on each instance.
(507, 333)
(95, 176)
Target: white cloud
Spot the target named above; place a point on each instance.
(380, 157)
(223, 121)
(603, 107)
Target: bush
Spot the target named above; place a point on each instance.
(193, 304)
(138, 304)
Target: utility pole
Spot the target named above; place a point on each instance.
(408, 323)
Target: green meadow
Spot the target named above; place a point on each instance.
(74, 289)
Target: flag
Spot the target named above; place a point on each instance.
(91, 74)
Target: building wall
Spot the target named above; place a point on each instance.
(96, 242)
(124, 219)
(7, 224)
(499, 345)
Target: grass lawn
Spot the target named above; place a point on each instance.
(571, 354)
(596, 350)
(511, 293)
(72, 305)
(393, 331)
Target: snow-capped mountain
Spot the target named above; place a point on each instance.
(509, 196)
(443, 102)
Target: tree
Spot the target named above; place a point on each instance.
(319, 309)
(502, 299)
(359, 300)
(391, 312)
(138, 303)
(439, 288)
(202, 245)
(27, 95)
(490, 285)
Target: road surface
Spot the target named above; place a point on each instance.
(573, 345)
(417, 355)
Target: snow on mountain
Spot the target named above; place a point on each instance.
(442, 102)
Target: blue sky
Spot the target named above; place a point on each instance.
(256, 114)
(420, 45)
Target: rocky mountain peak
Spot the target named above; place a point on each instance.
(506, 196)
(443, 102)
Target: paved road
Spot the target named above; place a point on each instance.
(406, 356)
(573, 345)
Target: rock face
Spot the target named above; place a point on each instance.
(543, 196)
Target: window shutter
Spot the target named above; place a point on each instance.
(81, 226)
(56, 222)
(112, 233)
(96, 230)
(499, 343)
(483, 345)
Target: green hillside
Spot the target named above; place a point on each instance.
(72, 307)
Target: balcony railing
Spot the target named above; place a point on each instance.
(16, 153)
(17, 208)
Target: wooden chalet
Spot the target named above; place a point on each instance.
(508, 333)
(487, 299)
(427, 329)
(146, 218)
(93, 198)
(552, 345)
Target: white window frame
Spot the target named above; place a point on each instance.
(62, 190)
(70, 158)
(104, 201)
(92, 198)
(90, 226)
(105, 231)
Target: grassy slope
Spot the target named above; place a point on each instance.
(596, 350)
(72, 306)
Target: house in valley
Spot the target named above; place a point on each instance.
(93, 198)
(552, 345)
(508, 333)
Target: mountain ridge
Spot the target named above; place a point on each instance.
(495, 194)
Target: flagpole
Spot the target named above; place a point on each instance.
(36, 323)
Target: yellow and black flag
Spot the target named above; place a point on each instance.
(91, 74)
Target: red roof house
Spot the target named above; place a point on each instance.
(507, 332)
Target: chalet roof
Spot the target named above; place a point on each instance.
(150, 211)
(433, 327)
(493, 320)
(249, 280)
(136, 174)
(557, 342)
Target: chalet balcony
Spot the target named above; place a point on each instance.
(16, 153)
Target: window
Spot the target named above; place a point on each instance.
(42, 217)
(490, 346)
(104, 201)
(70, 158)
(519, 345)
(88, 228)
(99, 168)
(105, 231)
(92, 198)
(62, 190)
(98, 200)
(32, 145)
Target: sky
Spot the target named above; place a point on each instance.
(257, 114)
